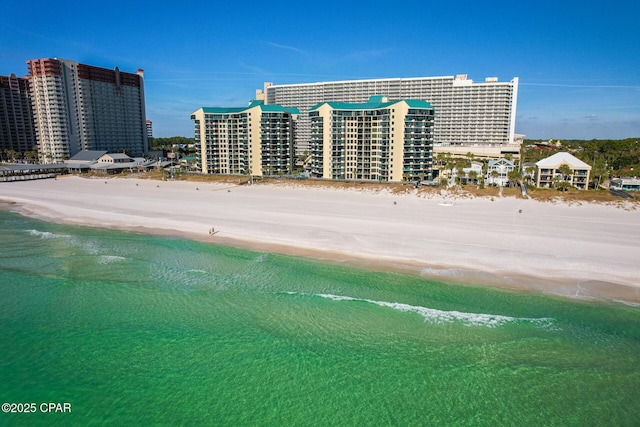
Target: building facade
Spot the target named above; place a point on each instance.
(548, 171)
(466, 113)
(498, 172)
(378, 140)
(17, 131)
(625, 184)
(255, 140)
(82, 107)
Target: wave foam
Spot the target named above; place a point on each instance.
(109, 259)
(440, 316)
(44, 234)
(629, 303)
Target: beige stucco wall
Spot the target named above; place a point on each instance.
(325, 112)
(255, 152)
(199, 115)
(396, 151)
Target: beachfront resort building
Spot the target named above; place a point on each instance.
(255, 140)
(550, 171)
(17, 132)
(474, 116)
(82, 107)
(380, 140)
(498, 172)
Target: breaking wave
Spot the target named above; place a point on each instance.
(44, 234)
(440, 316)
(109, 259)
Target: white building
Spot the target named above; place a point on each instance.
(475, 167)
(498, 172)
(625, 184)
(466, 113)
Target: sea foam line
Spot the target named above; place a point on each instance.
(44, 234)
(440, 316)
(109, 259)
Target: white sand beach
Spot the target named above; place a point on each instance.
(584, 250)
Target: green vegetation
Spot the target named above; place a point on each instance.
(12, 156)
(606, 157)
(177, 144)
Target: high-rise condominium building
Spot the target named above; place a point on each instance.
(16, 117)
(465, 112)
(256, 140)
(378, 140)
(149, 129)
(82, 107)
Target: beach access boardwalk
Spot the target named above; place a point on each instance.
(12, 173)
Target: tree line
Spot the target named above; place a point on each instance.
(607, 157)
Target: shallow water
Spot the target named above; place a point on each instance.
(137, 329)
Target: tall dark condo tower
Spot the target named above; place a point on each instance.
(82, 107)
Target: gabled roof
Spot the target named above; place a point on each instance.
(375, 102)
(87, 156)
(270, 108)
(119, 156)
(558, 159)
(501, 161)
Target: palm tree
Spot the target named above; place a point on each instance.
(529, 170)
(494, 175)
(598, 172)
(460, 172)
(566, 171)
(473, 176)
(514, 176)
(12, 155)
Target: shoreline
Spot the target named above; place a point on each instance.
(360, 229)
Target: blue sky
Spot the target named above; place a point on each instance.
(578, 62)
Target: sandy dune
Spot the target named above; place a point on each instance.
(569, 250)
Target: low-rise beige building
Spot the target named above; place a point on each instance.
(548, 171)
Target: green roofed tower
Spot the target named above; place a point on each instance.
(374, 141)
(254, 140)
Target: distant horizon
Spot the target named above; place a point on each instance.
(574, 82)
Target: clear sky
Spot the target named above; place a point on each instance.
(578, 62)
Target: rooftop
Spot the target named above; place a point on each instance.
(87, 155)
(235, 110)
(558, 159)
(375, 103)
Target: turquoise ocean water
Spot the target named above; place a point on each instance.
(141, 330)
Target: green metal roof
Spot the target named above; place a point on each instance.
(375, 103)
(264, 107)
(223, 110)
(417, 103)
